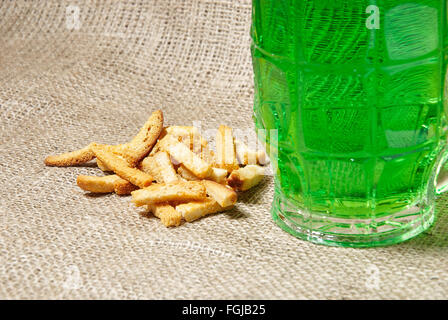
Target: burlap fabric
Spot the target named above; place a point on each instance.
(93, 72)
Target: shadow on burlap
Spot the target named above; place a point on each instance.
(64, 83)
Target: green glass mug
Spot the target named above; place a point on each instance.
(350, 94)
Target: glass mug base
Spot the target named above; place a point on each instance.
(383, 231)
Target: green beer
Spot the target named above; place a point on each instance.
(351, 96)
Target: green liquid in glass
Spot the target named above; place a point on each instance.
(358, 105)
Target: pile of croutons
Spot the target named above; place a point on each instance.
(172, 170)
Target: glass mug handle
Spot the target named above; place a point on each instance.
(442, 176)
(442, 179)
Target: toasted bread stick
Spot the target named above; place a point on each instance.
(246, 178)
(225, 149)
(180, 191)
(102, 166)
(71, 158)
(182, 154)
(105, 184)
(223, 195)
(156, 148)
(121, 167)
(97, 184)
(188, 135)
(160, 167)
(218, 175)
(82, 156)
(169, 216)
(142, 143)
(123, 187)
(197, 209)
(186, 174)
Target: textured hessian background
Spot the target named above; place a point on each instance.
(93, 72)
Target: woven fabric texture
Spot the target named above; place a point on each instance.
(72, 72)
